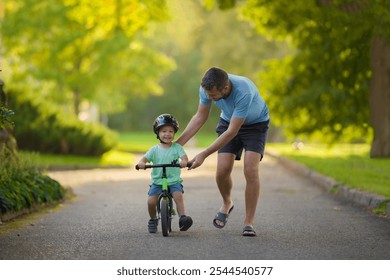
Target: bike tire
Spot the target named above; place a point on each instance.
(170, 214)
(165, 221)
(170, 223)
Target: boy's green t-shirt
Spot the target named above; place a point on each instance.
(159, 155)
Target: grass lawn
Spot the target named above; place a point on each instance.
(349, 164)
(138, 142)
(113, 158)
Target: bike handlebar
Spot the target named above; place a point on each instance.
(162, 165)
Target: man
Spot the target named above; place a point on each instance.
(243, 124)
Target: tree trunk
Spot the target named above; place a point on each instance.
(76, 101)
(380, 97)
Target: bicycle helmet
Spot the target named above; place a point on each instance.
(165, 119)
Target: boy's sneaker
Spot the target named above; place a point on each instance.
(152, 225)
(185, 222)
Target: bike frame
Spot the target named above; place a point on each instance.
(165, 190)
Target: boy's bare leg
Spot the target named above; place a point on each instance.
(185, 222)
(152, 203)
(179, 200)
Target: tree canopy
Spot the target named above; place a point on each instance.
(197, 39)
(332, 80)
(329, 84)
(90, 49)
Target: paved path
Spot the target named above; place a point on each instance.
(107, 220)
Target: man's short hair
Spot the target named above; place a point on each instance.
(214, 77)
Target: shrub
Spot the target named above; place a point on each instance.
(40, 126)
(22, 185)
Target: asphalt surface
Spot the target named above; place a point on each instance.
(107, 220)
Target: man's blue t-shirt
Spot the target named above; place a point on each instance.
(243, 102)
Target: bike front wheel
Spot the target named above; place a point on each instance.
(165, 220)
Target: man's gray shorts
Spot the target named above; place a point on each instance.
(250, 137)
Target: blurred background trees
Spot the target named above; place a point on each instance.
(84, 51)
(197, 38)
(337, 83)
(321, 65)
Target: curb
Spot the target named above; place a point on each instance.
(368, 200)
(8, 216)
(12, 215)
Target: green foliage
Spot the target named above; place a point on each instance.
(40, 126)
(88, 50)
(221, 4)
(324, 86)
(5, 117)
(23, 186)
(382, 208)
(197, 39)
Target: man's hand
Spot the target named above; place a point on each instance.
(197, 161)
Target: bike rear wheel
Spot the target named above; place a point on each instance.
(165, 219)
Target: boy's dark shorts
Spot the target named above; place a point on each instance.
(157, 189)
(250, 137)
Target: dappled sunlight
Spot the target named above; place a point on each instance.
(77, 178)
(115, 157)
(320, 150)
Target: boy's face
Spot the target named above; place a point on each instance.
(166, 133)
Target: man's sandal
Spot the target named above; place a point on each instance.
(222, 217)
(248, 231)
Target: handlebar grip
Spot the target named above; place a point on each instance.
(152, 166)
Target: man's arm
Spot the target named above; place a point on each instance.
(197, 121)
(222, 140)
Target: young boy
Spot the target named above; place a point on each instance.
(165, 127)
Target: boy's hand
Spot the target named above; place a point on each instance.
(141, 165)
(183, 163)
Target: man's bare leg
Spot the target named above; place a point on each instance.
(224, 181)
(252, 190)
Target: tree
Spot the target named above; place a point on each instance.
(337, 82)
(91, 49)
(380, 81)
(197, 39)
(7, 140)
